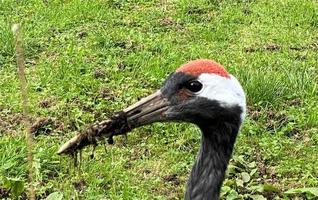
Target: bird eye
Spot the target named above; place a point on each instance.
(194, 86)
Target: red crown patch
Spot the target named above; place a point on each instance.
(197, 67)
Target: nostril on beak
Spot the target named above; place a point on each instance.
(136, 112)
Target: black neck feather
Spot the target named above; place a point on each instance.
(209, 169)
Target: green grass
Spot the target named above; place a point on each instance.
(87, 59)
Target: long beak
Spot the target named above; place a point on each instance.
(148, 110)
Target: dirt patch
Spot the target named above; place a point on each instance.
(246, 11)
(311, 46)
(281, 118)
(254, 112)
(146, 153)
(272, 47)
(128, 165)
(171, 193)
(294, 102)
(275, 119)
(10, 121)
(59, 126)
(303, 136)
(121, 66)
(3, 125)
(251, 49)
(17, 119)
(44, 103)
(268, 47)
(126, 44)
(295, 132)
(54, 31)
(4, 193)
(166, 22)
(41, 126)
(172, 178)
(106, 93)
(82, 34)
(261, 165)
(99, 73)
(79, 185)
(146, 171)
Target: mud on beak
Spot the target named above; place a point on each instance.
(148, 110)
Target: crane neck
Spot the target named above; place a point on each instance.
(209, 169)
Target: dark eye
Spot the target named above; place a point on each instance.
(194, 86)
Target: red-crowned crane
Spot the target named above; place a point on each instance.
(201, 92)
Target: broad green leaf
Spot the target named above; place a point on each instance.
(257, 197)
(225, 189)
(55, 196)
(239, 182)
(6, 182)
(245, 177)
(257, 188)
(16, 185)
(252, 165)
(232, 195)
(232, 169)
(17, 188)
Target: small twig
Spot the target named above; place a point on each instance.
(25, 106)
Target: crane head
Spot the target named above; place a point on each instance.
(200, 92)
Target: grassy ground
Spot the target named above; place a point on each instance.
(86, 59)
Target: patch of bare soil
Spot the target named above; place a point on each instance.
(126, 44)
(251, 49)
(99, 73)
(275, 119)
(146, 171)
(45, 103)
(128, 165)
(106, 93)
(311, 46)
(169, 22)
(79, 185)
(9, 121)
(268, 47)
(275, 47)
(294, 102)
(121, 66)
(166, 22)
(261, 164)
(172, 178)
(4, 193)
(82, 34)
(254, 112)
(272, 47)
(40, 126)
